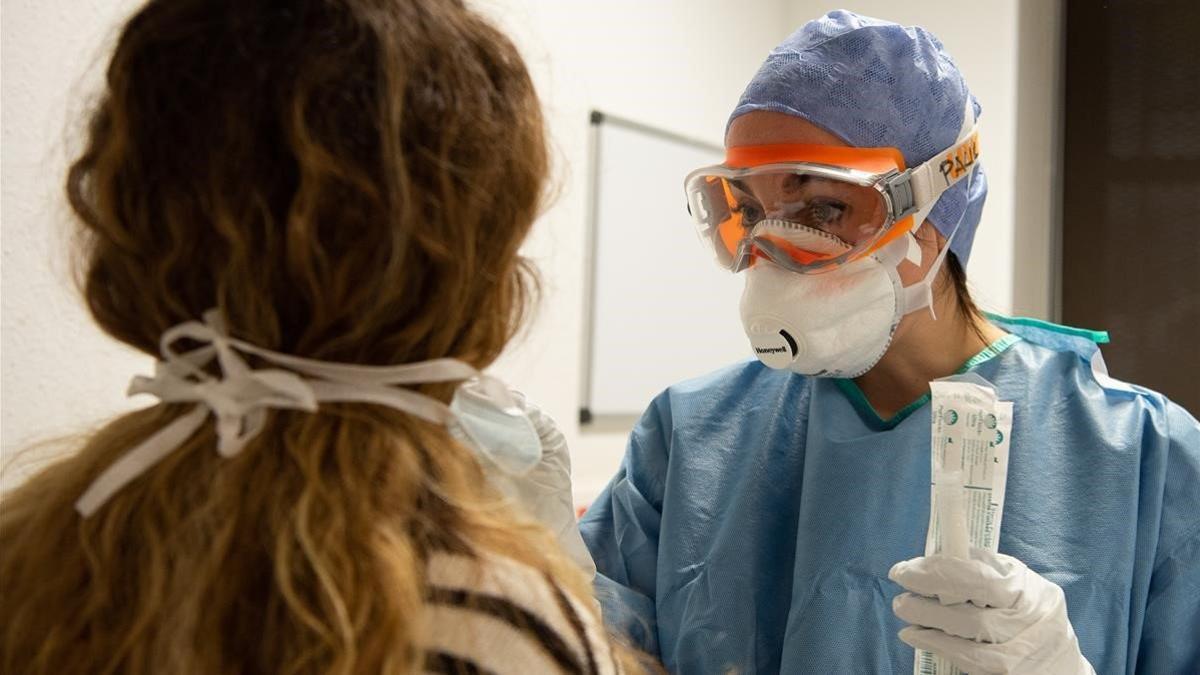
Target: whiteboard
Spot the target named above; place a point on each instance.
(660, 310)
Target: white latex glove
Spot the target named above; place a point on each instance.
(989, 614)
(545, 492)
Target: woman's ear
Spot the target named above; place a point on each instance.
(930, 239)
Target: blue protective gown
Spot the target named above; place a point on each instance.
(757, 512)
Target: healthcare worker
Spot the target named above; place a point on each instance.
(771, 516)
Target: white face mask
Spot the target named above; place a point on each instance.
(831, 324)
(490, 420)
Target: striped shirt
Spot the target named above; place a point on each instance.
(497, 616)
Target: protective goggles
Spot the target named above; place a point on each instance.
(859, 198)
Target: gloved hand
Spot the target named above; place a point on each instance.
(545, 492)
(989, 614)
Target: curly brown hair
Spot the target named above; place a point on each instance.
(345, 180)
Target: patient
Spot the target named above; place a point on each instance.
(311, 212)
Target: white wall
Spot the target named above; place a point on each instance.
(59, 373)
(676, 64)
(1037, 186)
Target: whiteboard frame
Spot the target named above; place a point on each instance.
(596, 119)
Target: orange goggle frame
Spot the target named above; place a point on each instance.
(904, 191)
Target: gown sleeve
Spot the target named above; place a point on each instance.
(621, 529)
(1169, 641)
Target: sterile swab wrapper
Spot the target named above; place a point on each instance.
(970, 432)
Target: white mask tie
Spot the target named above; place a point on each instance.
(240, 398)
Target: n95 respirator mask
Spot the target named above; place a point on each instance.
(832, 324)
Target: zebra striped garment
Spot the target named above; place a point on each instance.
(495, 616)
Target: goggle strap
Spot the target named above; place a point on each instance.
(943, 171)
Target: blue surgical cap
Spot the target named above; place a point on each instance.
(875, 83)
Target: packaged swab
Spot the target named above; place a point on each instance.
(970, 432)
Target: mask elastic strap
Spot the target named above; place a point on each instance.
(957, 163)
(920, 295)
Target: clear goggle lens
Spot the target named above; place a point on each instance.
(730, 205)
